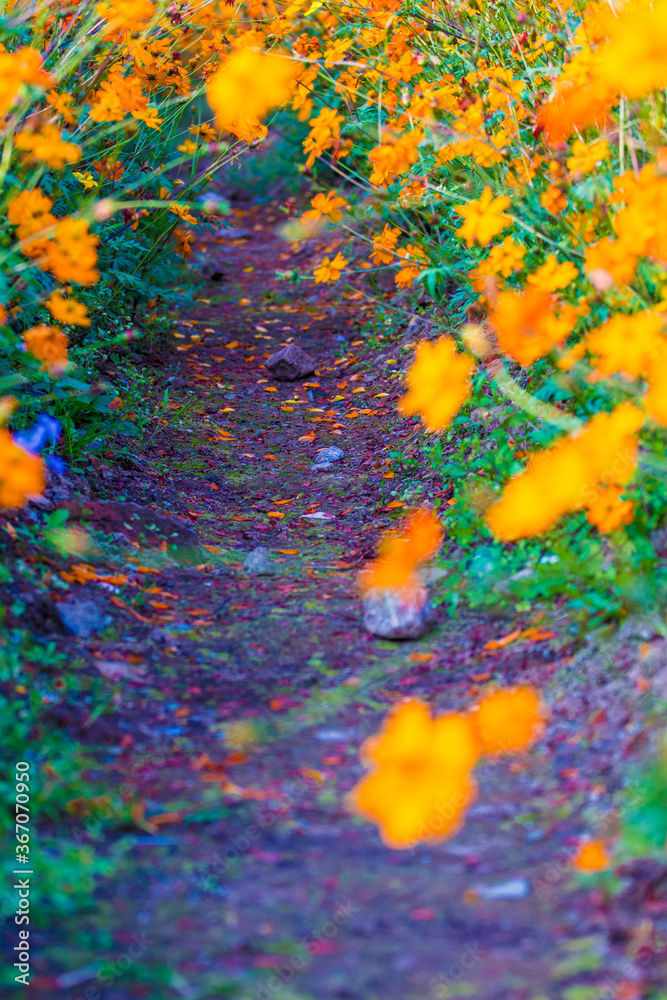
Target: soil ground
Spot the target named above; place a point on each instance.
(241, 702)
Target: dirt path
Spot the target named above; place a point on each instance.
(242, 701)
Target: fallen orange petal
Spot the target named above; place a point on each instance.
(505, 641)
(592, 856)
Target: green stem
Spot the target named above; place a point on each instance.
(534, 407)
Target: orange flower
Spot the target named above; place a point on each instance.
(567, 475)
(586, 158)
(329, 204)
(324, 133)
(506, 258)
(634, 60)
(610, 261)
(184, 240)
(394, 157)
(484, 218)
(71, 254)
(48, 344)
(630, 344)
(438, 383)
(31, 212)
(592, 856)
(67, 310)
(48, 146)
(125, 15)
(21, 474)
(62, 105)
(421, 780)
(509, 720)
(526, 324)
(17, 68)
(553, 200)
(401, 556)
(330, 270)
(553, 275)
(248, 86)
(416, 262)
(384, 245)
(608, 511)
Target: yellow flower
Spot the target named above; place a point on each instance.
(188, 146)
(335, 52)
(438, 383)
(484, 218)
(329, 270)
(86, 179)
(67, 310)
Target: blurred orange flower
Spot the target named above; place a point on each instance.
(592, 856)
(509, 720)
(526, 324)
(567, 475)
(249, 85)
(401, 556)
(21, 473)
(438, 383)
(421, 782)
(48, 344)
(67, 310)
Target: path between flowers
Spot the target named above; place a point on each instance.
(242, 701)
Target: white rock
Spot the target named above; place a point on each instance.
(514, 888)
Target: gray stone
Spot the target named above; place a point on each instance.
(326, 456)
(258, 562)
(81, 618)
(514, 888)
(290, 363)
(388, 615)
